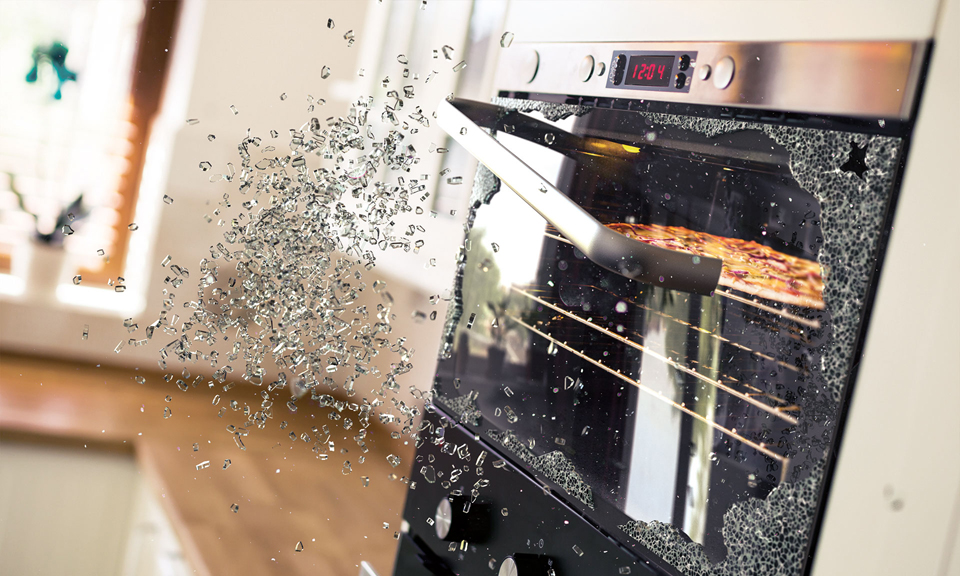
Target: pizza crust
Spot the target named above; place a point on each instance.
(748, 266)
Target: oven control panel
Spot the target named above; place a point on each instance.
(658, 71)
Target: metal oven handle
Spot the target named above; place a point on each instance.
(605, 247)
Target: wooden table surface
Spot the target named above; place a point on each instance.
(286, 494)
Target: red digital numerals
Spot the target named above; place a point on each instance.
(648, 71)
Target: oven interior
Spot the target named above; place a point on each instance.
(663, 416)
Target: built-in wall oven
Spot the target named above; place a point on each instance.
(670, 261)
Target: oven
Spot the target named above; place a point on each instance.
(671, 255)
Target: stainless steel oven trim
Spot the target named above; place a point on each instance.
(851, 79)
(605, 247)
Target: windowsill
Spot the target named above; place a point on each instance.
(99, 301)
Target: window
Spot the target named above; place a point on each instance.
(90, 141)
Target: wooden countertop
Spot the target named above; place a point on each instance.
(285, 493)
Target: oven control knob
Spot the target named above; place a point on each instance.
(586, 68)
(528, 66)
(703, 71)
(458, 519)
(723, 72)
(619, 66)
(525, 565)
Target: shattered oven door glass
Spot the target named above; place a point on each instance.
(695, 429)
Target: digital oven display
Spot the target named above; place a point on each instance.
(649, 71)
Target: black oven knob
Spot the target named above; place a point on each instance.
(684, 62)
(680, 81)
(525, 565)
(459, 519)
(619, 65)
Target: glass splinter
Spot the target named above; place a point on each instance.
(506, 39)
(330, 23)
(460, 66)
(234, 110)
(325, 72)
(192, 121)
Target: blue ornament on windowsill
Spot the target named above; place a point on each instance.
(56, 56)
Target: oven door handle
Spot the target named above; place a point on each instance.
(605, 247)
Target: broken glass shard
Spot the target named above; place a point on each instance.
(455, 180)
(234, 508)
(133, 227)
(330, 23)
(226, 463)
(283, 96)
(234, 110)
(298, 547)
(77, 279)
(506, 39)
(325, 72)
(86, 332)
(460, 66)
(67, 230)
(203, 465)
(448, 53)
(167, 199)
(192, 121)
(167, 412)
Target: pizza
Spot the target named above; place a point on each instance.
(747, 266)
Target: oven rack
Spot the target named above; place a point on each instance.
(761, 447)
(780, 412)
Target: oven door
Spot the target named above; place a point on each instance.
(690, 410)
